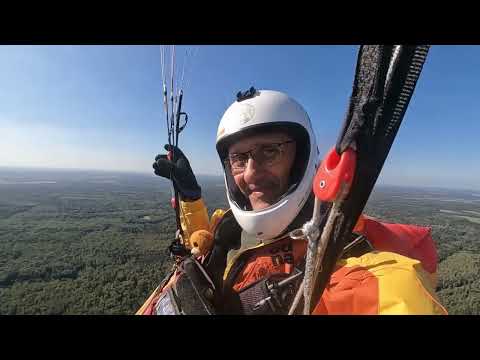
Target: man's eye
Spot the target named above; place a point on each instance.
(269, 151)
(237, 159)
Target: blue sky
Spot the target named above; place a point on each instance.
(100, 107)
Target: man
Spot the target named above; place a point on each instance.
(269, 153)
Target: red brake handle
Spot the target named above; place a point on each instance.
(334, 170)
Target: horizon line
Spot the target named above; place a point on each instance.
(135, 172)
(89, 169)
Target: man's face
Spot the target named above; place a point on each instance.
(264, 179)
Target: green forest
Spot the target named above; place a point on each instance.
(96, 243)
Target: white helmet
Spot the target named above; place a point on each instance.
(266, 110)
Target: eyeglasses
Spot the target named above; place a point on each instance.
(264, 155)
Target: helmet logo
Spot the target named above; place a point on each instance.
(246, 112)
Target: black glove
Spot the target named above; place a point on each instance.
(181, 172)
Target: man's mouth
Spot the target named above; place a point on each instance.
(261, 191)
(257, 190)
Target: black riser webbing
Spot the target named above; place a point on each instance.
(373, 119)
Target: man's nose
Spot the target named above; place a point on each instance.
(252, 171)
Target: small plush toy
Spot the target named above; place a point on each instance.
(201, 242)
